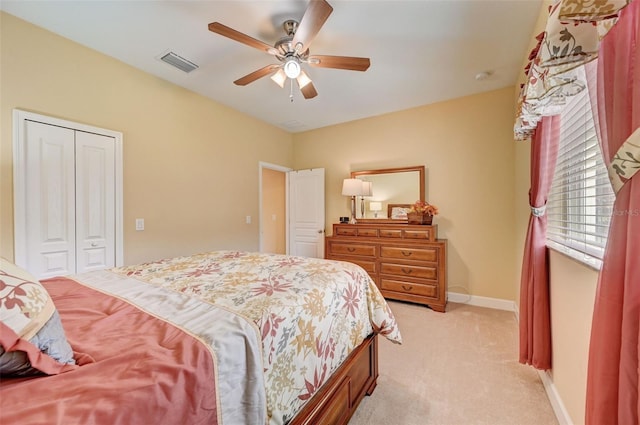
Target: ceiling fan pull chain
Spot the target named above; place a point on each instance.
(291, 92)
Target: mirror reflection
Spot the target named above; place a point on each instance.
(392, 191)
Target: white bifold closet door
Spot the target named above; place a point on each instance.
(70, 200)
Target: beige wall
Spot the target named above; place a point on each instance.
(573, 290)
(467, 147)
(186, 158)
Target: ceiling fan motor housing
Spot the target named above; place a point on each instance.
(285, 46)
(290, 26)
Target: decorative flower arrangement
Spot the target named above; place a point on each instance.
(422, 207)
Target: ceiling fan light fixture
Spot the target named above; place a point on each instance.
(303, 79)
(292, 68)
(279, 78)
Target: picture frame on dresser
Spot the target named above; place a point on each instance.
(398, 211)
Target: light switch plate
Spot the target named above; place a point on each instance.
(139, 223)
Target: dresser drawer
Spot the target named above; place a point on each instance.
(406, 270)
(368, 266)
(409, 287)
(366, 232)
(344, 248)
(391, 233)
(410, 253)
(426, 233)
(345, 230)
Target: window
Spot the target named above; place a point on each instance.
(581, 200)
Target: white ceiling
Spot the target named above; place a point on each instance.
(422, 51)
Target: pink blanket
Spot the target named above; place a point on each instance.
(137, 369)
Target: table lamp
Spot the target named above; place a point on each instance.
(353, 188)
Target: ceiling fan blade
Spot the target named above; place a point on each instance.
(224, 30)
(340, 62)
(308, 91)
(250, 78)
(312, 20)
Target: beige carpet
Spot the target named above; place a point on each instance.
(456, 368)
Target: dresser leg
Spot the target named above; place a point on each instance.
(438, 308)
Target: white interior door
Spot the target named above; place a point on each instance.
(95, 201)
(306, 213)
(50, 200)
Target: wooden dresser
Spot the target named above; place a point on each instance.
(407, 262)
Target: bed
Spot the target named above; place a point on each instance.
(225, 337)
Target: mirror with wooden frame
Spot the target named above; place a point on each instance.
(393, 192)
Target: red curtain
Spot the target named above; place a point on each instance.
(535, 328)
(612, 383)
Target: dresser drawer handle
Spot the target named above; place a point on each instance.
(351, 249)
(406, 254)
(407, 288)
(407, 271)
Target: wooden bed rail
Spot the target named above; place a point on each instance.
(336, 401)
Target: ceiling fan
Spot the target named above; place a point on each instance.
(293, 50)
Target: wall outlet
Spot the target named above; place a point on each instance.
(139, 224)
(248, 219)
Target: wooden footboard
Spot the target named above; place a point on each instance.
(337, 400)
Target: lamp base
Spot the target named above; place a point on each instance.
(353, 211)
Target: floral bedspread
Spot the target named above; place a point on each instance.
(311, 313)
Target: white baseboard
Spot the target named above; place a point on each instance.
(554, 398)
(496, 303)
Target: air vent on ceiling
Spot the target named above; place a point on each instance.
(179, 62)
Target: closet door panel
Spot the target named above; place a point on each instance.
(95, 201)
(50, 209)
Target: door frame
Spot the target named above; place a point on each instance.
(262, 165)
(19, 180)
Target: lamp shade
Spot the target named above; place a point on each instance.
(375, 206)
(352, 187)
(367, 188)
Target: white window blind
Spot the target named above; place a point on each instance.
(581, 200)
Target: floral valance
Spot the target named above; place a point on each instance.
(571, 38)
